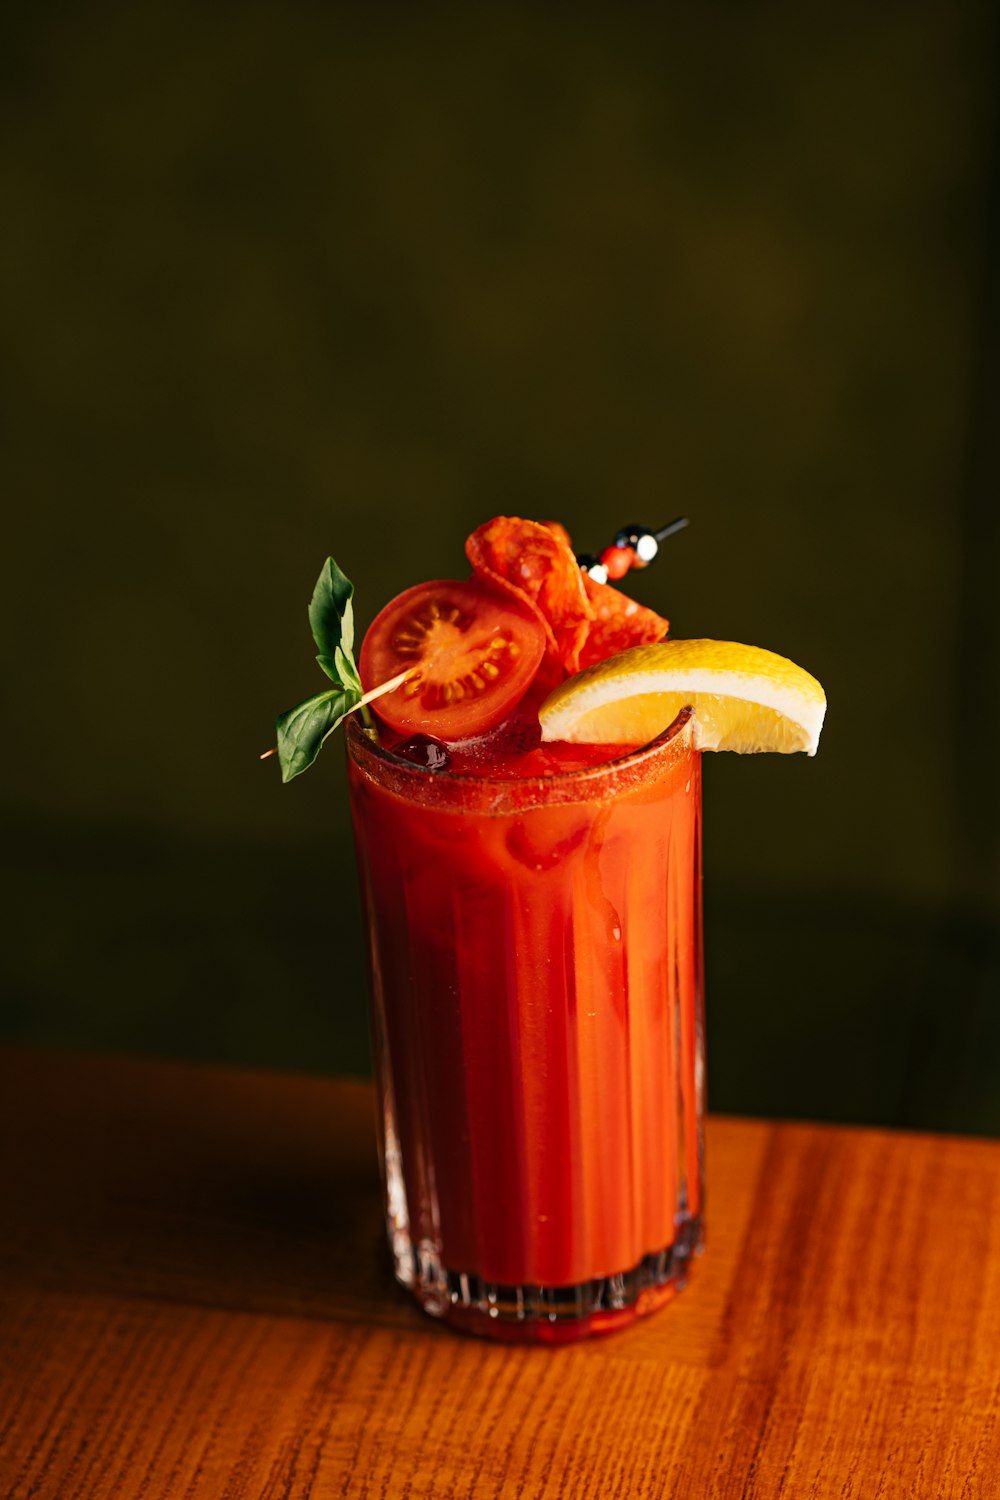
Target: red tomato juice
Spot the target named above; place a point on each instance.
(535, 948)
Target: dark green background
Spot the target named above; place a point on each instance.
(278, 281)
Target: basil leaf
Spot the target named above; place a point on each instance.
(331, 615)
(344, 664)
(302, 730)
(341, 669)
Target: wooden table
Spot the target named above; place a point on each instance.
(195, 1301)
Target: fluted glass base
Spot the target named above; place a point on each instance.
(545, 1314)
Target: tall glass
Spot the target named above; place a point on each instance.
(536, 968)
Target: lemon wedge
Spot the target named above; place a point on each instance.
(744, 698)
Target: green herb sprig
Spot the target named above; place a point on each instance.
(303, 730)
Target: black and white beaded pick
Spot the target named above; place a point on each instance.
(633, 547)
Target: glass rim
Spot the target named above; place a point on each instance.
(421, 783)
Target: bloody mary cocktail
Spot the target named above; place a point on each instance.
(535, 949)
(526, 798)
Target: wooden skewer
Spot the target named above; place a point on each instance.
(386, 687)
(369, 697)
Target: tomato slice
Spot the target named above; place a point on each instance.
(474, 653)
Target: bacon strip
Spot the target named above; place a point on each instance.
(619, 622)
(584, 621)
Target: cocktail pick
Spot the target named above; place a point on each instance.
(369, 697)
(633, 547)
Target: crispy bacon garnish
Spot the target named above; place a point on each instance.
(584, 621)
(619, 622)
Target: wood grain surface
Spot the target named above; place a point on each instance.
(195, 1301)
